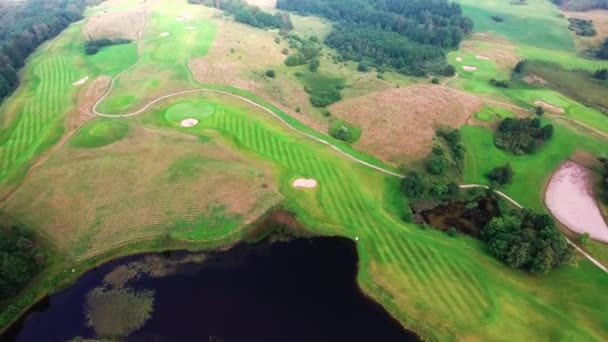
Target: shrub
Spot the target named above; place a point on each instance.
(498, 18)
(435, 80)
(285, 51)
(453, 139)
(539, 110)
(297, 109)
(584, 239)
(324, 97)
(520, 66)
(582, 27)
(270, 73)
(326, 113)
(313, 65)
(601, 74)
(602, 52)
(344, 131)
(501, 175)
(500, 83)
(295, 60)
(452, 232)
(437, 164)
(363, 67)
(414, 185)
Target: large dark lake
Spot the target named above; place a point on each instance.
(302, 290)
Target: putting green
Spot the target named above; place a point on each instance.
(189, 110)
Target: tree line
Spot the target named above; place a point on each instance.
(522, 136)
(21, 257)
(250, 15)
(409, 36)
(25, 26)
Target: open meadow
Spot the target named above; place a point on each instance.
(188, 145)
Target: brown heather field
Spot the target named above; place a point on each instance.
(399, 124)
(116, 24)
(147, 185)
(600, 21)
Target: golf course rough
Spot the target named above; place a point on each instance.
(443, 288)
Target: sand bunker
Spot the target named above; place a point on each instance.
(189, 122)
(165, 34)
(483, 58)
(305, 183)
(549, 107)
(458, 59)
(469, 68)
(570, 199)
(81, 81)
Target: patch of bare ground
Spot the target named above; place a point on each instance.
(240, 55)
(121, 24)
(263, 3)
(144, 186)
(535, 79)
(400, 123)
(600, 22)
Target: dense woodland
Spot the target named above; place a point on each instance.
(522, 136)
(582, 27)
(26, 25)
(409, 36)
(20, 259)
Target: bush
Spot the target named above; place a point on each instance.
(295, 60)
(363, 67)
(520, 66)
(602, 52)
(498, 18)
(453, 139)
(500, 83)
(437, 163)
(539, 110)
(324, 97)
(414, 185)
(584, 239)
(601, 74)
(313, 65)
(435, 80)
(270, 73)
(326, 113)
(501, 175)
(452, 232)
(582, 27)
(344, 131)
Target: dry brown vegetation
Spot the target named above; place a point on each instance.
(263, 3)
(400, 123)
(116, 24)
(91, 200)
(600, 21)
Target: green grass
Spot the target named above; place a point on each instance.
(163, 60)
(195, 109)
(492, 113)
(536, 24)
(531, 171)
(100, 132)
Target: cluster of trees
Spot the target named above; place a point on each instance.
(409, 36)
(91, 47)
(527, 241)
(250, 15)
(20, 259)
(453, 139)
(26, 25)
(521, 136)
(582, 27)
(501, 175)
(418, 185)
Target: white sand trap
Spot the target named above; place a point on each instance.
(305, 183)
(165, 34)
(458, 59)
(469, 68)
(81, 81)
(189, 122)
(190, 28)
(570, 199)
(549, 107)
(483, 58)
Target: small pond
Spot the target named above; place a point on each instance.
(302, 290)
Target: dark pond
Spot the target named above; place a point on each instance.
(303, 290)
(466, 217)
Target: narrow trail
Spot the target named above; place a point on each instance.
(323, 141)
